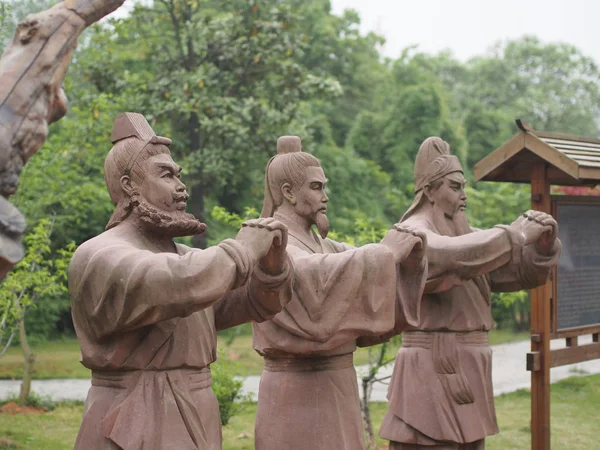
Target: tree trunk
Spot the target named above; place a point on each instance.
(28, 367)
(196, 201)
(367, 385)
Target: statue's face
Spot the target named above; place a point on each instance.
(450, 196)
(311, 199)
(162, 186)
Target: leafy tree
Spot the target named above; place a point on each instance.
(554, 86)
(36, 278)
(226, 77)
(336, 48)
(391, 137)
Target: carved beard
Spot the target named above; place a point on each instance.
(461, 223)
(457, 226)
(171, 224)
(322, 223)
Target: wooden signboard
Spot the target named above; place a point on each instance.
(576, 303)
(568, 305)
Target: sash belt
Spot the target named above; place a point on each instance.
(316, 364)
(446, 357)
(154, 408)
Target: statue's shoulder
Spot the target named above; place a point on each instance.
(107, 243)
(420, 223)
(182, 249)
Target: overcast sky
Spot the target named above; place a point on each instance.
(469, 27)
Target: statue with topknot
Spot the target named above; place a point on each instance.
(308, 397)
(146, 309)
(441, 395)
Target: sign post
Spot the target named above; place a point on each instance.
(568, 305)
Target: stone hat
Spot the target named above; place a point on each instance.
(133, 141)
(433, 162)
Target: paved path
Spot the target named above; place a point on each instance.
(508, 368)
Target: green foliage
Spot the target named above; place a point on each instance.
(553, 86)
(365, 231)
(226, 224)
(227, 388)
(39, 276)
(5, 23)
(492, 204)
(336, 48)
(390, 134)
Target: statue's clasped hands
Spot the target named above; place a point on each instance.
(407, 243)
(537, 228)
(266, 238)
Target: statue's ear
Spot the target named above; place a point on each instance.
(126, 185)
(288, 193)
(428, 193)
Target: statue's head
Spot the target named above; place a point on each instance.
(439, 180)
(144, 182)
(295, 185)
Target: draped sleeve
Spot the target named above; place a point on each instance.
(117, 287)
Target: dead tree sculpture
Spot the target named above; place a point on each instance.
(32, 70)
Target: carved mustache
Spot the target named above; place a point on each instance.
(180, 197)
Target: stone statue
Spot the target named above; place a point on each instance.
(308, 396)
(146, 310)
(441, 390)
(32, 70)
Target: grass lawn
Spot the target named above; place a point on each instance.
(54, 359)
(575, 424)
(60, 359)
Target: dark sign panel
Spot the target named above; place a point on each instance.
(579, 265)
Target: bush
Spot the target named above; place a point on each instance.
(227, 388)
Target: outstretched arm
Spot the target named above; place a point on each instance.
(453, 260)
(257, 301)
(119, 288)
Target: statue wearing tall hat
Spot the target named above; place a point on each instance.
(146, 310)
(308, 397)
(441, 395)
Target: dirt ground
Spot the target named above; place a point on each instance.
(12, 408)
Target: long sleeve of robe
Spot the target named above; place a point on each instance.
(339, 296)
(463, 271)
(141, 296)
(153, 316)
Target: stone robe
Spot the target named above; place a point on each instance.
(308, 396)
(441, 391)
(146, 322)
